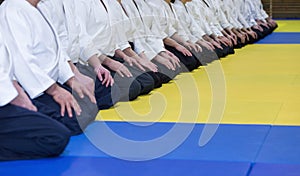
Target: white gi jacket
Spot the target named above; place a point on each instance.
(240, 12)
(147, 39)
(166, 17)
(7, 89)
(229, 11)
(217, 9)
(40, 62)
(64, 18)
(249, 12)
(196, 9)
(260, 14)
(210, 17)
(173, 21)
(119, 23)
(192, 29)
(94, 18)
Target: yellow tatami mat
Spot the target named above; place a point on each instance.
(260, 84)
(288, 26)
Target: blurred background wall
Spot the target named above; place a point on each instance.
(278, 8)
(282, 8)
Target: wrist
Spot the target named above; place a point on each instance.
(98, 69)
(52, 89)
(70, 81)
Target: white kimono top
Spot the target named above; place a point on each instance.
(7, 89)
(38, 57)
(75, 41)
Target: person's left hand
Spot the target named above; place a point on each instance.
(83, 85)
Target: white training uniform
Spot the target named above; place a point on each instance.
(148, 38)
(95, 20)
(73, 37)
(7, 89)
(40, 62)
(193, 30)
(222, 18)
(260, 13)
(249, 12)
(239, 11)
(195, 9)
(228, 9)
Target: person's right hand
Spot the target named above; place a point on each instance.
(118, 67)
(183, 50)
(146, 63)
(104, 76)
(22, 100)
(252, 34)
(65, 99)
(241, 37)
(193, 46)
(206, 44)
(164, 62)
(216, 44)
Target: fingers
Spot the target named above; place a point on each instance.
(128, 60)
(188, 53)
(151, 68)
(110, 82)
(199, 48)
(79, 91)
(175, 62)
(62, 109)
(74, 104)
(184, 51)
(123, 71)
(105, 77)
(32, 108)
(99, 74)
(109, 79)
(169, 65)
(189, 47)
(69, 110)
(195, 48)
(165, 61)
(69, 104)
(138, 65)
(90, 95)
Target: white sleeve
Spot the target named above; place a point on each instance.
(243, 21)
(140, 45)
(224, 21)
(185, 22)
(7, 89)
(33, 79)
(195, 29)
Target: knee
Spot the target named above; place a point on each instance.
(147, 83)
(134, 90)
(55, 143)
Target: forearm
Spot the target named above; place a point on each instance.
(119, 53)
(129, 52)
(94, 61)
(73, 68)
(178, 39)
(171, 42)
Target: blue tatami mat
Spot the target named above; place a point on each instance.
(281, 146)
(263, 169)
(230, 142)
(91, 166)
(281, 38)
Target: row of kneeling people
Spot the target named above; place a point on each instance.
(64, 60)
